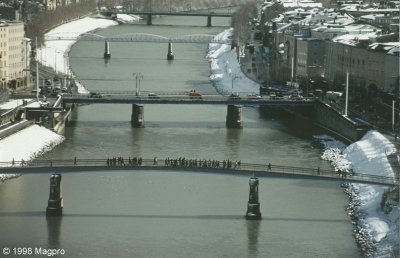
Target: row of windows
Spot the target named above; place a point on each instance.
(348, 60)
(12, 66)
(10, 30)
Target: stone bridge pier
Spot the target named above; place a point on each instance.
(253, 206)
(107, 54)
(55, 203)
(149, 19)
(137, 118)
(234, 117)
(170, 54)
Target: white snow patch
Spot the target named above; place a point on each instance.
(226, 74)
(27, 144)
(368, 156)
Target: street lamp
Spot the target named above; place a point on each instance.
(138, 77)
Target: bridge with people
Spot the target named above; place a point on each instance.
(234, 102)
(223, 167)
(139, 165)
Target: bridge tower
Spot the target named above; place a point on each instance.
(253, 206)
(209, 21)
(149, 21)
(137, 118)
(234, 116)
(170, 54)
(55, 202)
(107, 53)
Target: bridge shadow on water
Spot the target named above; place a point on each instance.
(158, 124)
(179, 217)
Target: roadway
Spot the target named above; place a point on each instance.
(183, 98)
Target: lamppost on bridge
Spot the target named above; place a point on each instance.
(138, 77)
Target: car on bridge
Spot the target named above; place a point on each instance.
(195, 95)
(152, 95)
(95, 95)
(253, 96)
(234, 95)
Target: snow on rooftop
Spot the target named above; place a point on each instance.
(353, 38)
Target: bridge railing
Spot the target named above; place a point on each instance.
(160, 163)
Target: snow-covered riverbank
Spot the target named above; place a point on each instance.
(376, 229)
(34, 140)
(376, 232)
(27, 144)
(226, 74)
(54, 53)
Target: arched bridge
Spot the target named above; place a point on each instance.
(225, 167)
(139, 37)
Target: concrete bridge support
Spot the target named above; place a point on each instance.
(209, 21)
(234, 116)
(253, 206)
(170, 54)
(55, 203)
(107, 53)
(149, 21)
(137, 118)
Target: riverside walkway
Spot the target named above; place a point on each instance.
(225, 167)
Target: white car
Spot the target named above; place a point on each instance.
(253, 96)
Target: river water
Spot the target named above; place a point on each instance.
(156, 214)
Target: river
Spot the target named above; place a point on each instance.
(156, 214)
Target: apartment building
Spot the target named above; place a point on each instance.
(13, 55)
(310, 58)
(383, 67)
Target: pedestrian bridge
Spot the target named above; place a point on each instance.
(136, 165)
(138, 37)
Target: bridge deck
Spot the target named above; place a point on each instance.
(184, 99)
(214, 14)
(245, 169)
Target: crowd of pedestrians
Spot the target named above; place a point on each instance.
(184, 162)
(175, 162)
(120, 161)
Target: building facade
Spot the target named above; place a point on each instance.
(13, 55)
(310, 58)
